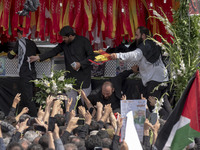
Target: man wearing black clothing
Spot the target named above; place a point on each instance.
(110, 92)
(25, 48)
(77, 50)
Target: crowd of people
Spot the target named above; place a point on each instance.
(96, 123)
(90, 128)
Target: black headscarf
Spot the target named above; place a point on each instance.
(150, 50)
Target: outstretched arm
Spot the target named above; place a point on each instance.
(47, 55)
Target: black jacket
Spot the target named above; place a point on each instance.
(96, 96)
(79, 50)
(31, 49)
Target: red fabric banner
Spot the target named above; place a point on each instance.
(5, 16)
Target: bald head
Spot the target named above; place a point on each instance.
(107, 89)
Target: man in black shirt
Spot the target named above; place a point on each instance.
(77, 50)
(110, 91)
(25, 48)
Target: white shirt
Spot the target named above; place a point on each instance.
(148, 71)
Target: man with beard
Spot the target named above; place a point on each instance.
(151, 67)
(77, 50)
(111, 91)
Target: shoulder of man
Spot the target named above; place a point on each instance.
(82, 38)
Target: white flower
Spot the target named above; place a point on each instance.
(169, 30)
(78, 97)
(163, 84)
(174, 76)
(61, 78)
(178, 47)
(163, 48)
(165, 54)
(158, 106)
(182, 66)
(179, 72)
(36, 81)
(48, 91)
(54, 88)
(68, 87)
(51, 75)
(156, 88)
(46, 83)
(157, 14)
(159, 43)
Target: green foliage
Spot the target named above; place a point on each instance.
(57, 84)
(183, 53)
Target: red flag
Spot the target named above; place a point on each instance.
(15, 17)
(141, 13)
(78, 18)
(111, 18)
(5, 16)
(41, 19)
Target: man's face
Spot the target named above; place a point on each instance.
(19, 35)
(107, 91)
(67, 39)
(140, 113)
(138, 37)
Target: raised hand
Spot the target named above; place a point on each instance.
(142, 97)
(56, 107)
(83, 95)
(72, 114)
(124, 145)
(69, 103)
(40, 113)
(49, 101)
(119, 125)
(123, 97)
(107, 109)
(16, 100)
(99, 105)
(41, 123)
(152, 100)
(113, 120)
(82, 111)
(72, 124)
(23, 125)
(88, 118)
(25, 110)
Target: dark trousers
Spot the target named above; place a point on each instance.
(26, 90)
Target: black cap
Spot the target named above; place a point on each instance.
(66, 31)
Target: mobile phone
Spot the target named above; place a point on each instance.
(73, 64)
(51, 125)
(98, 148)
(91, 110)
(39, 128)
(153, 118)
(81, 121)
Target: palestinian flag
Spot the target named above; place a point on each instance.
(183, 125)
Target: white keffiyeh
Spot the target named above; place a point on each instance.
(21, 52)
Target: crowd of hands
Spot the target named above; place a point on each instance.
(99, 113)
